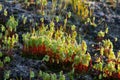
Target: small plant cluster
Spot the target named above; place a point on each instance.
(61, 47)
(38, 4)
(4, 60)
(47, 76)
(12, 23)
(4, 10)
(8, 37)
(40, 75)
(108, 64)
(83, 10)
(58, 45)
(80, 7)
(101, 34)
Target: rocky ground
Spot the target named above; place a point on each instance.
(20, 66)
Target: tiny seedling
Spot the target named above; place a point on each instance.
(7, 59)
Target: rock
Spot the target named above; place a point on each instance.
(18, 6)
(85, 77)
(20, 70)
(101, 14)
(109, 19)
(117, 19)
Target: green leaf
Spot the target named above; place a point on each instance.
(40, 73)
(2, 28)
(36, 24)
(104, 75)
(65, 21)
(1, 35)
(62, 77)
(88, 57)
(52, 24)
(5, 12)
(100, 76)
(32, 74)
(71, 74)
(7, 59)
(85, 62)
(46, 58)
(77, 59)
(53, 76)
(26, 1)
(12, 23)
(41, 40)
(44, 2)
(1, 54)
(37, 2)
(9, 42)
(69, 14)
(42, 19)
(70, 52)
(46, 76)
(0, 7)
(7, 74)
(31, 42)
(101, 34)
(57, 19)
(1, 64)
(47, 41)
(24, 20)
(73, 27)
